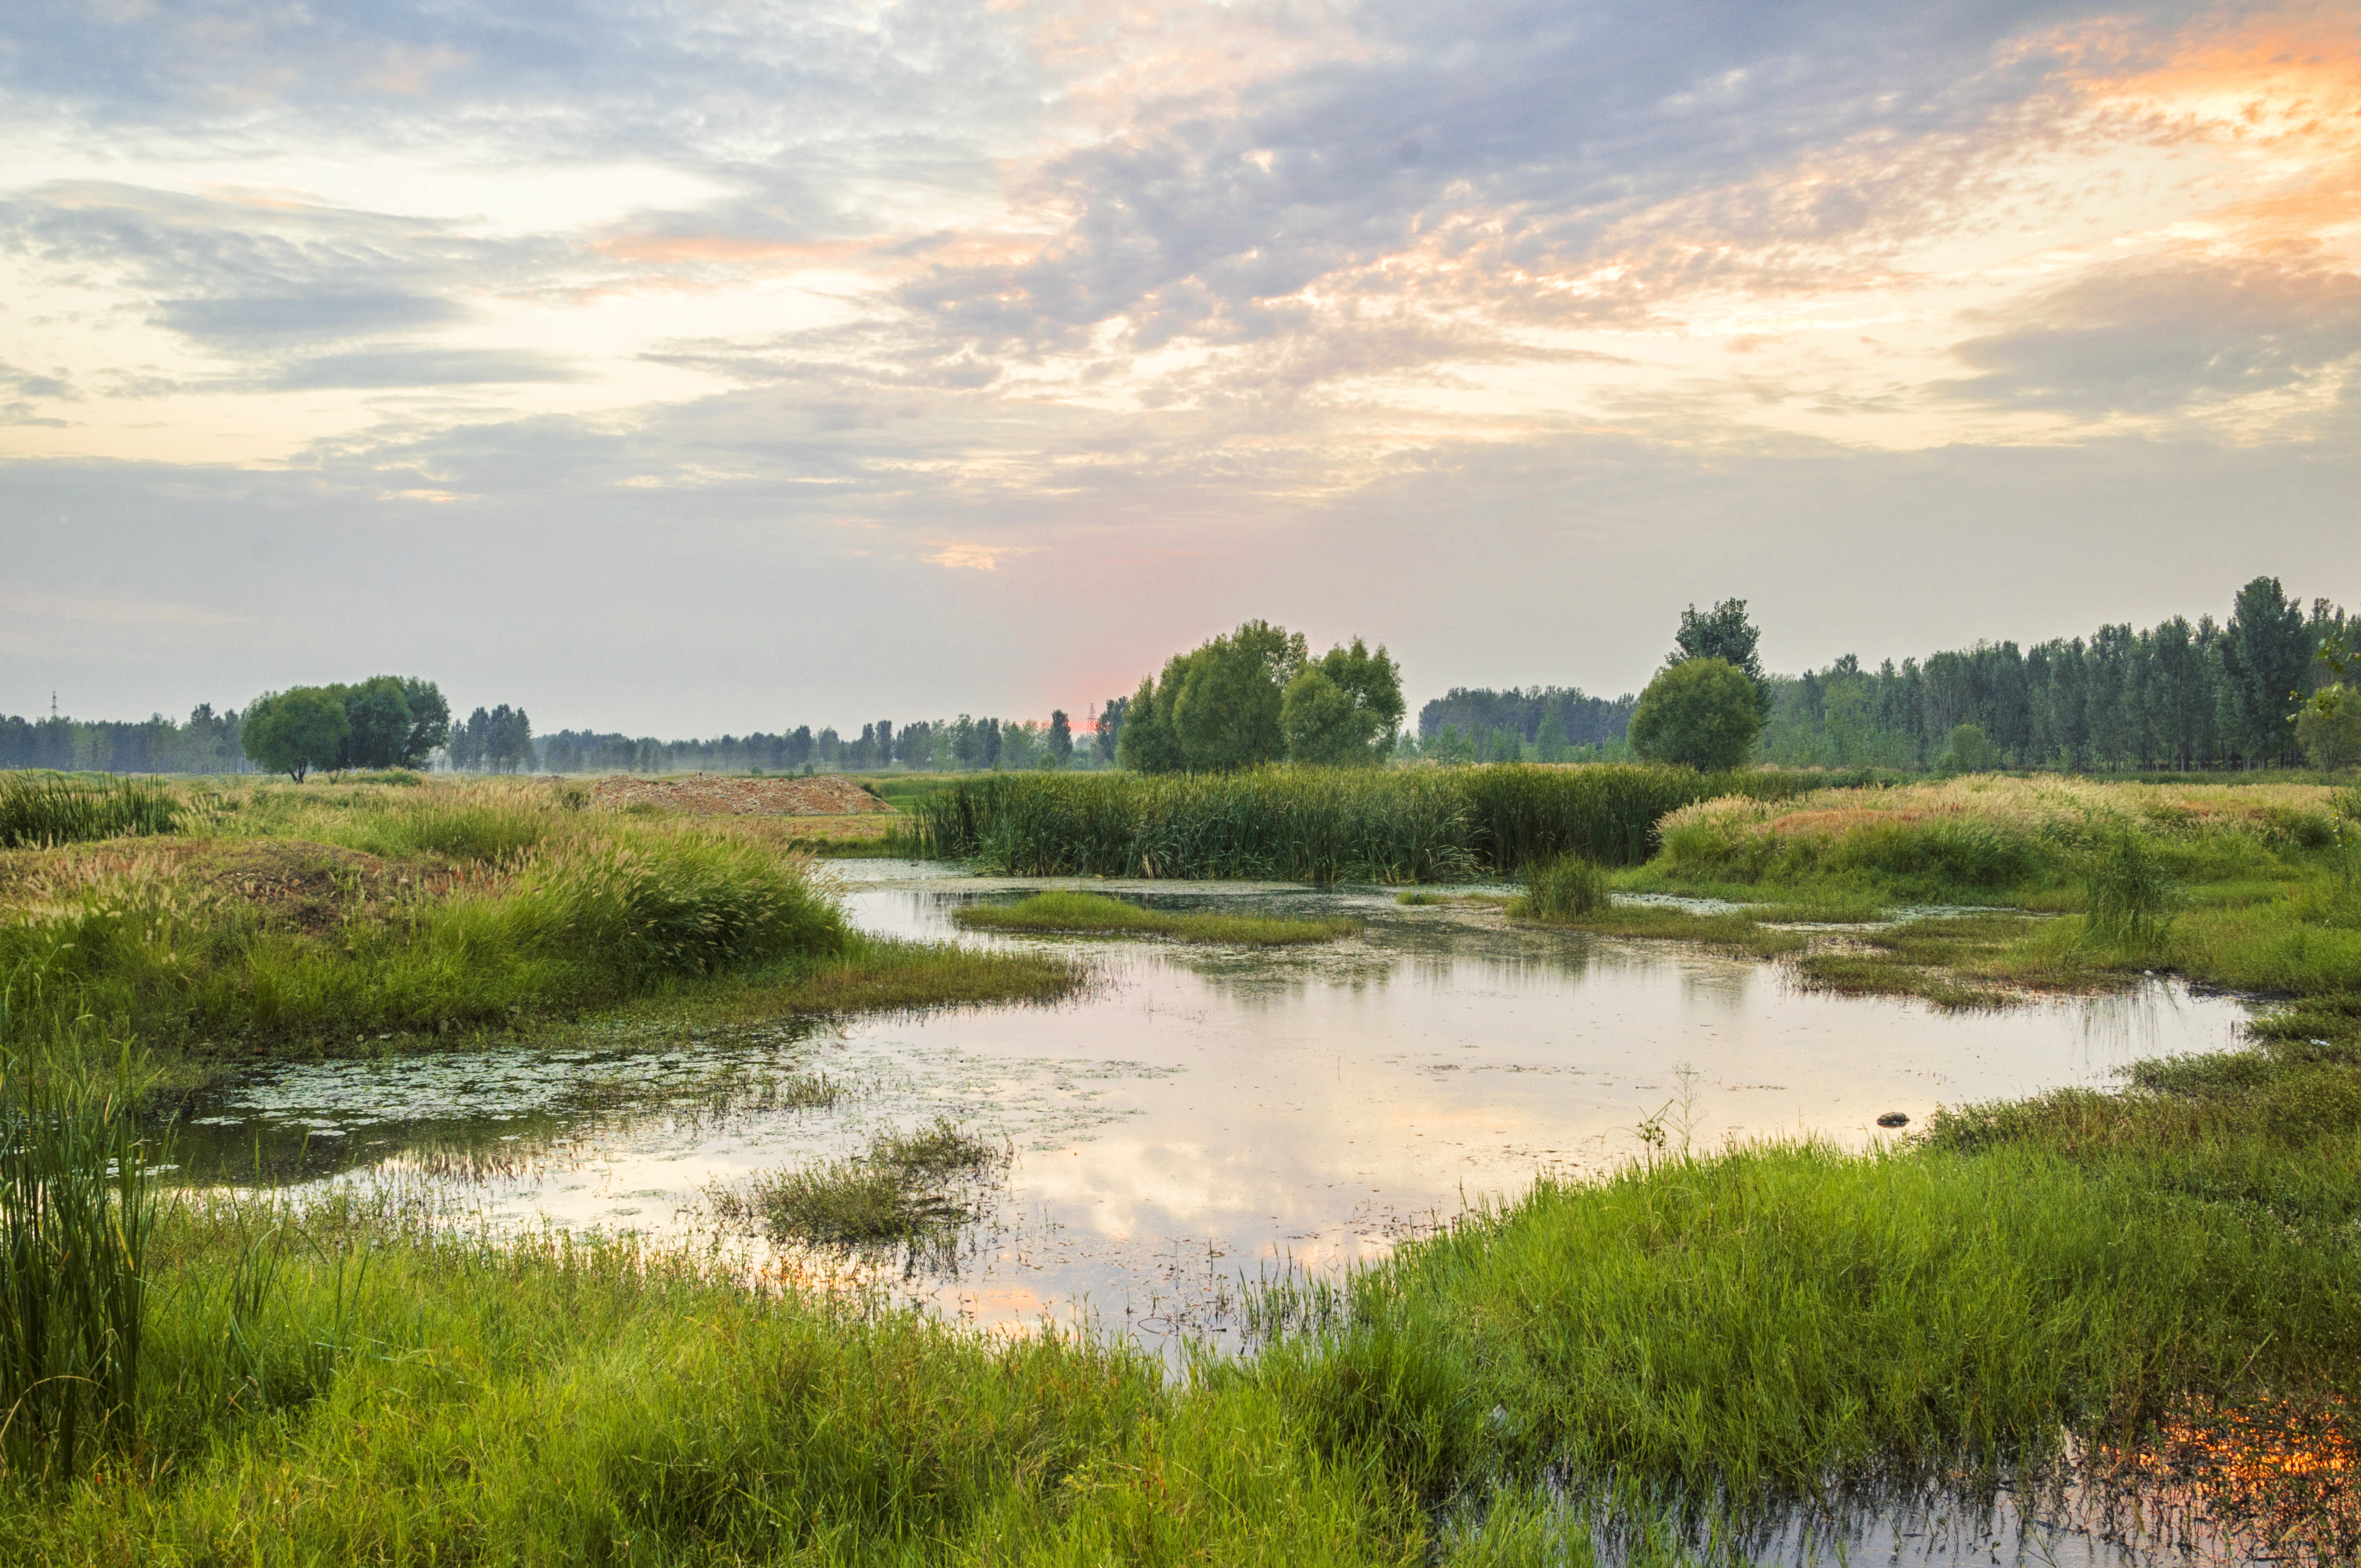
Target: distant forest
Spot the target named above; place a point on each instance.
(2177, 696)
(963, 744)
(207, 743)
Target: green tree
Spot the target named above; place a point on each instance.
(377, 723)
(1723, 632)
(2265, 660)
(1551, 741)
(1969, 751)
(1147, 744)
(295, 730)
(1320, 722)
(1697, 711)
(2330, 734)
(430, 722)
(1062, 738)
(1227, 713)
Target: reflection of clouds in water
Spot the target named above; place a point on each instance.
(1309, 1106)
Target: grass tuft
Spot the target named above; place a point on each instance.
(893, 1190)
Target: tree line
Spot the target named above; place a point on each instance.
(963, 744)
(207, 743)
(2176, 696)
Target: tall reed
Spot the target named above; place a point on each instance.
(78, 1207)
(36, 813)
(1316, 824)
(2129, 894)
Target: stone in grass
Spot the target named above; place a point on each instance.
(1894, 1119)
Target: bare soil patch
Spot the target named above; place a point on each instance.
(704, 794)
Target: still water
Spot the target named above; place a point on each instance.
(1200, 1115)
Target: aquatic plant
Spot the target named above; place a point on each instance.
(889, 1191)
(39, 812)
(1560, 889)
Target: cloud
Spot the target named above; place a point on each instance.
(977, 557)
(2159, 337)
(398, 366)
(272, 319)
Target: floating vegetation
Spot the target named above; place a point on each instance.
(1091, 912)
(898, 1188)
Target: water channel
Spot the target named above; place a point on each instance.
(1200, 1115)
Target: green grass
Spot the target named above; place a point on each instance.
(897, 1189)
(1095, 913)
(308, 920)
(1566, 888)
(1395, 825)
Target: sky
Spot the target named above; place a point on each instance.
(683, 367)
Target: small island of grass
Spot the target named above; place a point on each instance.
(1092, 913)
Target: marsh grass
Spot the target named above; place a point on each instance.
(1565, 888)
(1095, 914)
(899, 1189)
(78, 1208)
(40, 813)
(2129, 897)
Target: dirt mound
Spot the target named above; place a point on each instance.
(707, 794)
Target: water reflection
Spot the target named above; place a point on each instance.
(1204, 1113)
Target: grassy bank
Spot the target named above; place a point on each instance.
(1676, 1348)
(2253, 888)
(1395, 825)
(320, 919)
(1093, 913)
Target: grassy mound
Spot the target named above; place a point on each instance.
(1095, 914)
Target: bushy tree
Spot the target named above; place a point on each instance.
(1699, 712)
(1062, 738)
(1968, 751)
(2330, 733)
(295, 730)
(1242, 700)
(377, 723)
(1227, 713)
(430, 722)
(1723, 632)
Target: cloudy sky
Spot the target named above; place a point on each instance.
(684, 366)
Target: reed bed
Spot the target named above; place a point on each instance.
(1319, 824)
(39, 813)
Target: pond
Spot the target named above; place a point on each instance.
(1200, 1115)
